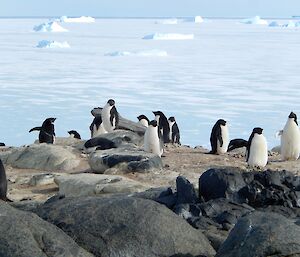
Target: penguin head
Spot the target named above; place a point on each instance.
(293, 116)
(172, 119)
(153, 123)
(141, 117)
(157, 113)
(257, 131)
(111, 102)
(221, 122)
(49, 121)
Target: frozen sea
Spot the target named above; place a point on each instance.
(246, 74)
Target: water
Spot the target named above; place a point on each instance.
(246, 74)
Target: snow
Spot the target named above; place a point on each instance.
(147, 53)
(169, 36)
(51, 26)
(247, 75)
(52, 44)
(167, 21)
(82, 19)
(255, 20)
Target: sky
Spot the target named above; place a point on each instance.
(151, 8)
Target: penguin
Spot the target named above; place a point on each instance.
(219, 137)
(152, 142)
(163, 125)
(143, 120)
(3, 184)
(257, 149)
(290, 139)
(2, 144)
(110, 116)
(102, 143)
(237, 143)
(74, 134)
(174, 135)
(47, 133)
(97, 127)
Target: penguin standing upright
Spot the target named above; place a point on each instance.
(257, 149)
(290, 139)
(74, 134)
(97, 127)
(47, 133)
(3, 184)
(219, 137)
(143, 120)
(152, 142)
(163, 125)
(110, 116)
(174, 135)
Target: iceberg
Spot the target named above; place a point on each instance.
(52, 44)
(290, 24)
(168, 21)
(196, 19)
(51, 26)
(147, 53)
(274, 24)
(169, 36)
(82, 19)
(255, 20)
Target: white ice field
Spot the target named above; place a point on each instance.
(247, 74)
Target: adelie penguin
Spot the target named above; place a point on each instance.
(152, 142)
(290, 139)
(3, 184)
(219, 137)
(174, 135)
(47, 133)
(143, 120)
(110, 116)
(257, 149)
(237, 143)
(74, 134)
(97, 127)
(163, 125)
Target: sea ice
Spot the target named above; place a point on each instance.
(82, 19)
(147, 53)
(51, 26)
(168, 21)
(290, 24)
(169, 36)
(52, 44)
(274, 24)
(255, 20)
(196, 19)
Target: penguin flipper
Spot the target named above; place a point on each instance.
(35, 129)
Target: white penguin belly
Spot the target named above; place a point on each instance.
(144, 122)
(290, 141)
(171, 130)
(99, 131)
(258, 152)
(225, 137)
(105, 114)
(151, 141)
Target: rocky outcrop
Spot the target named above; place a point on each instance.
(125, 226)
(133, 160)
(24, 234)
(262, 234)
(42, 157)
(95, 184)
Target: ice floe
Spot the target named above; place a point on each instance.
(274, 24)
(196, 19)
(168, 21)
(290, 24)
(52, 44)
(169, 36)
(82, 19)
(51, 26)
(255, 20)
(147, 53)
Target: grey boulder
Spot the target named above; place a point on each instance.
(24, 234)
(125, 227)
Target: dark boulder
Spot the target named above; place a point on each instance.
(125, 226)
(262, 234)
(185, 191)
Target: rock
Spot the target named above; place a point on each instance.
(24, 234)
(41, 179)
(125, 137)
(95, 184)
(185, 191)
(29, 206)
(125, 226)
(42, 157)
(216, 237)
(124, 123)
(136, 161)
(222, 183)
(262, 234)
(154, 193)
